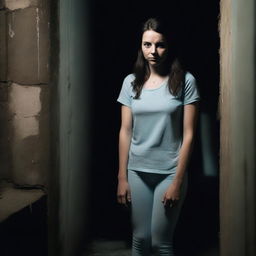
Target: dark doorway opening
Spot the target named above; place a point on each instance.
(115, 31)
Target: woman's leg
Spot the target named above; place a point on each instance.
(164, 219)
(141, 203)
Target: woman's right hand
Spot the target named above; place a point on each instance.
(123, 192)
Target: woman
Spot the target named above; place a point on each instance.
(158, 113)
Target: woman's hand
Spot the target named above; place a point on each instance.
(172, 195)
(123, 192)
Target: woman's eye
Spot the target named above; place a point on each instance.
(147, 44)
(161, 45)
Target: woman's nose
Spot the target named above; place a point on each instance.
(153, 49)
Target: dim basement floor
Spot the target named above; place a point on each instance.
(108, 248)
(121, 248)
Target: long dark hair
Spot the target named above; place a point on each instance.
(173, 67)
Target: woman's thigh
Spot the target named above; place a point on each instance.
(141, 203)
(164, 218)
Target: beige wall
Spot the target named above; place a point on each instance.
(237, 104)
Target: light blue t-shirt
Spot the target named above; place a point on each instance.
(157, 124)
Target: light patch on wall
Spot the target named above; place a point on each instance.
(25, 127)
(17, 4)
(25, 106)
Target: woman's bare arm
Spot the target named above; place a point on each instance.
(189, 126)
(125, 135)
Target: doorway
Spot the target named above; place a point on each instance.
(115, 30)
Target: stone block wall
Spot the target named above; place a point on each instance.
(24, 91)
(28, 46)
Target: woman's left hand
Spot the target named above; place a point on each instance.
(172, 195)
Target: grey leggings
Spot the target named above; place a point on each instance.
(153, 223)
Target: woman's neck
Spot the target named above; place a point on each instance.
(157, 71)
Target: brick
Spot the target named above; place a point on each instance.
(28, 46)
(3, 47)
(29, 108)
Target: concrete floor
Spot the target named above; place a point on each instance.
(120, 248)
(108, 248)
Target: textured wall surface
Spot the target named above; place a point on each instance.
(24, 100)
(243, 105)
(29, 141)
(3, 46)
(5, 132)
(225, 111)
(73, 113)
(28, 46)
(238, 129)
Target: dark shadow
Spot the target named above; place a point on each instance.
(25, 232)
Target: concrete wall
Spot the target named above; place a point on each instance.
(238, 129)
(24, 76)
(70, 105)
(44, 96)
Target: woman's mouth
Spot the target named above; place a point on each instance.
(152, 59)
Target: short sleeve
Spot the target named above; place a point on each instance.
(191, 93)
(126, 94)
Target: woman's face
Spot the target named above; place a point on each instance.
(154, 47)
